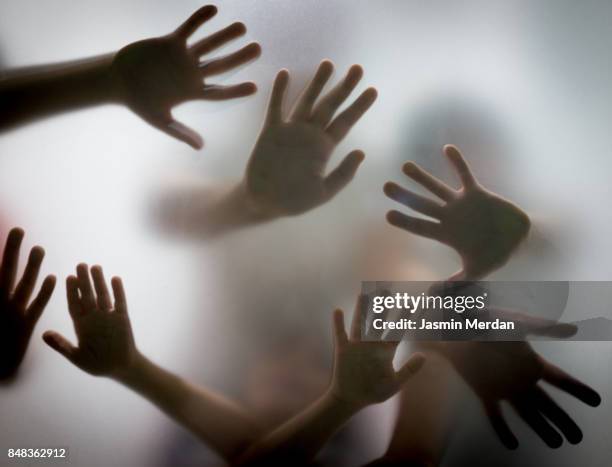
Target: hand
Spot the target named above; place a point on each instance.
(286, 172)
(105, 342)
(363, 371)
(154, 75)
(479, 364)
(482, 227)
(17, 318)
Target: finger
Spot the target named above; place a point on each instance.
(304, 105)
(558, 416)
(219, 93)
(28, 280)
(360, 310)
(279, 89)
(343, 123)
(62, 345)
(196, 20)
(371, 331)
(179, 131)
(527, 410)
(461, 166)
(88, 299)
(408, 198)
(428, 181)
(10, 260)
(562, 380)
(500, 426)
(327, 107)
(339, 330)
(218, 39)
(104, 299)
(119, 293)
(343, 174)
(415, 225)
(39, 303)
(410, 368)
(73, 297)
(233, 60)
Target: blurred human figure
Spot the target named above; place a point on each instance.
(150, 77)
(484, 230)
(18, 313)
(270, 313)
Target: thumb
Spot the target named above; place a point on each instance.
(411, 367)
(60, 344)
(184, 133)
(176, 129)
(344, 173)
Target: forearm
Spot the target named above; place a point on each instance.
(209, 212)
(303, 436)
(219, 422)
(31, 93)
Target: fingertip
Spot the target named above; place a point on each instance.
(393, 217)
(358, 156)
(239, 27)
(389, 188)
(417, 360)
(371, 92)
(37, 252)
(410, 168)
(16, 232)
(82, 267)
(326, 63)
(451, 150)
(49, 338)
(254, 47)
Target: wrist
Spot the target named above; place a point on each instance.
(250, 209)
(342, 404)
(132, 370)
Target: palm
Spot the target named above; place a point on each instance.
(105, 343)
(365, 372)
(157, 74)
(479, 218)
(287, 168)
(286, 173)
(154, 75)
(482, 227)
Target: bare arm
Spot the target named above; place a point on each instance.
(106, 347)
(363, 375)
(150, 77)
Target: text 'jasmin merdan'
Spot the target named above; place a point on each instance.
(413, 303)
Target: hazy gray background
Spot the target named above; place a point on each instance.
(82, 184)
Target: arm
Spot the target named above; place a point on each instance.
(363, 375)
(287, 172)
(106, 347)
(18, 316)
(150, 77)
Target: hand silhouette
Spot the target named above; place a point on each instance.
(17, 318)
(511, 371)
(105, 342)
(286, 172)
(483, 228)
(363, 371)
(154, 75)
